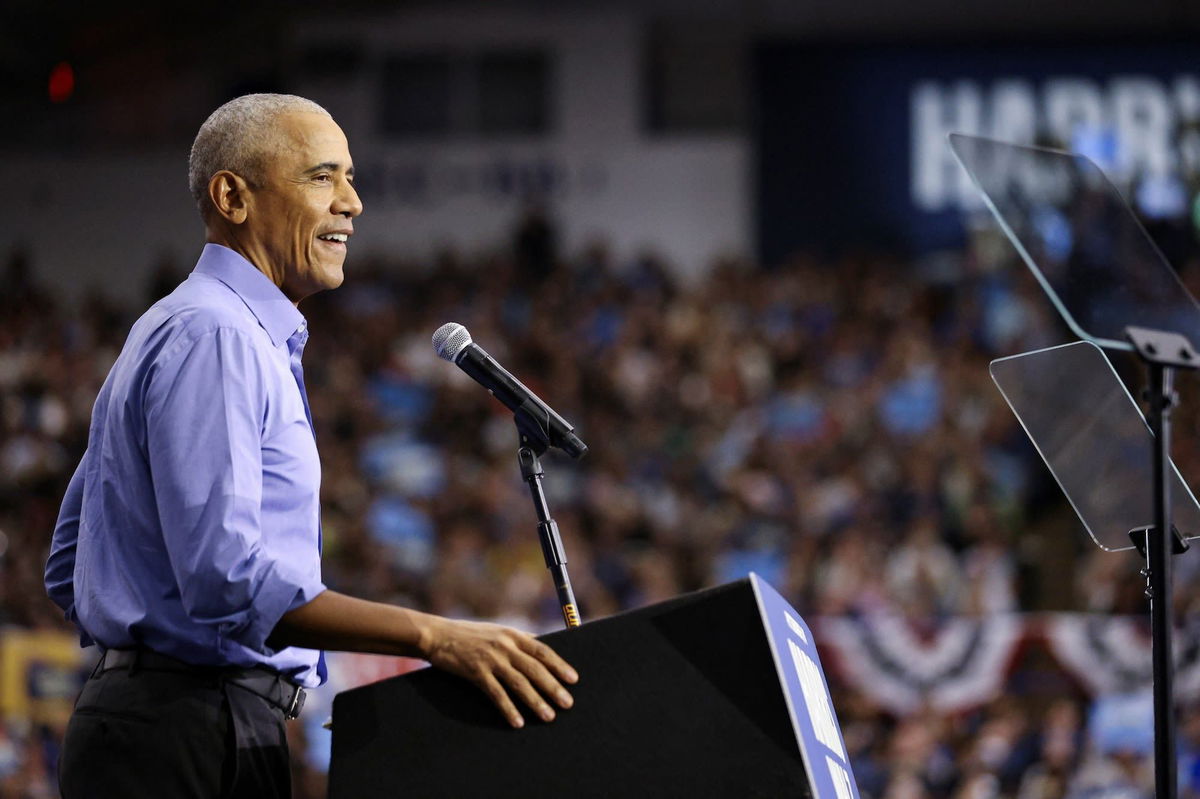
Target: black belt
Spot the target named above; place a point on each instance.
(270, 685)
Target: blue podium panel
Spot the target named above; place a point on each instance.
(807, 695)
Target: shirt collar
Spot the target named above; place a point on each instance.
(274, 311)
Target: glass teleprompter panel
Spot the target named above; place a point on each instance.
(1091, 434)
(1081, 240)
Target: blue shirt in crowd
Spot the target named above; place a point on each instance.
(192, 523)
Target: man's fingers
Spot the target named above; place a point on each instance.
(511, 667)
(548, 656)
(524, 690)
(492, 687)
(541, 677)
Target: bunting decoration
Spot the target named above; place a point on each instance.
(958, 664)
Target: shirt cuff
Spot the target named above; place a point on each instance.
(282, 591)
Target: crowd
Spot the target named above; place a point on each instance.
(828, 424)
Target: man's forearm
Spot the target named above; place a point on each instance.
(348, 624)
(499, 660)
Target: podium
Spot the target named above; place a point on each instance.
(715, 693)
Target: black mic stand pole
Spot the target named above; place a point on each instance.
(535, 440)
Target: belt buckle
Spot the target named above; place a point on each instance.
(297, 704)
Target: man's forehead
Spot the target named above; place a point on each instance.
(311, 139)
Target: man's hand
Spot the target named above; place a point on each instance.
(500, 660)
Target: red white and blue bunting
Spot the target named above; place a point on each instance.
(957, 664)
(1111, 654)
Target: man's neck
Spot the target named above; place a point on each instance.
(252, 254)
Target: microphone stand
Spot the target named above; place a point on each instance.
(533, 429)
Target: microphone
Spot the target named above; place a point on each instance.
(453, 343)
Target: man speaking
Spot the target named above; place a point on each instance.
(188, 544)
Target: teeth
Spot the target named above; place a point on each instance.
(342, 237)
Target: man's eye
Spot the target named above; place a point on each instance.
(322, 177)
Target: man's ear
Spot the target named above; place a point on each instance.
(230, 196)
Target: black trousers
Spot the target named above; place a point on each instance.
(146, 733)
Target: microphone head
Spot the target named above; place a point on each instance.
(450, 339)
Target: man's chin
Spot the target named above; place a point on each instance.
(330, 278)
(334, 280)
(316, 281)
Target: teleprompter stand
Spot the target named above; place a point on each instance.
(533, 429)
(1163, 353)
(1114, 289)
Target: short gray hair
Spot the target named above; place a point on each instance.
(236, 137)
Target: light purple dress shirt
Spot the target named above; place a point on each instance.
(192, 523)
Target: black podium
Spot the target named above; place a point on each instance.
(716, 693)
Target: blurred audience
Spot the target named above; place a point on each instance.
(828, 425)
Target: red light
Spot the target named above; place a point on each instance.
(62, 82)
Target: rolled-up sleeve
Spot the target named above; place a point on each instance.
(205, 407)
(60, 566)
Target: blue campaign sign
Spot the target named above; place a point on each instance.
(809, 704)
(851, 138)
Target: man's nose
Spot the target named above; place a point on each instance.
(347, 202)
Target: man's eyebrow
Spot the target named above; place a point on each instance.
(328, 166)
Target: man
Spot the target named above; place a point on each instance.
(188, 542)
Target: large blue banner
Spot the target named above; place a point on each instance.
(851, 138)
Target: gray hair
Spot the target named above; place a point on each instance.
(236, 137)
